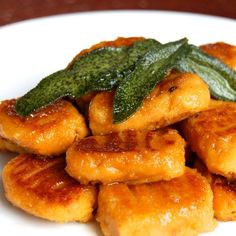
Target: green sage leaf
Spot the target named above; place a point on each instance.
(51, 88)
(150, 70)
(135, 52)
(98, 70)
(220, 78)
(134, 71)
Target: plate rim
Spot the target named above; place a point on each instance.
(117, 12)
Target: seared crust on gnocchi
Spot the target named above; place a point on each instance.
(42, 188)
(224, 192)
(212, 135)
(224, 198)
(49, 131)
(181, 206)
(130, 156)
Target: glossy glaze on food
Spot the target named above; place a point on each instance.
(129, 156)
(43, 188)
(181, 206)
(224, 198)
(224, 192)
(177, 97)
(223, 51)
(212, 135)
(50, 131)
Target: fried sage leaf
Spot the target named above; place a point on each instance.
(98, 70)
(135, 71)
(220, 78)
(94, 71)
(135, 52)
(150, 70)
(44, 93)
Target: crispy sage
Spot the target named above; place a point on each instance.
(150, 70)
(220, 78)
(98, 70)
(134, 71)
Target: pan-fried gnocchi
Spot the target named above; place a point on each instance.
(42, 188)
(176, 98)
(212, 135)
(131, 175)
(181, 206)
(224, 193)
(130, 156)
(49, 131)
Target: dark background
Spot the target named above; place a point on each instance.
(17, 10)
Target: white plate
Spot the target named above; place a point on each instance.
(33, 49)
